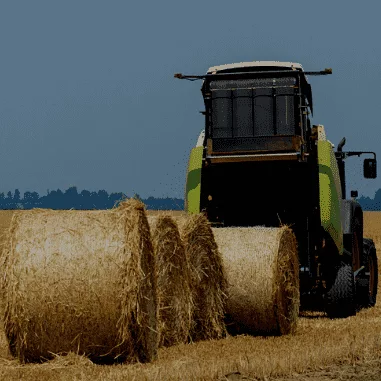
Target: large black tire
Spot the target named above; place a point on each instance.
(340, 298)
(367, 281)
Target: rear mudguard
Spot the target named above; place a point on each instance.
(330, 193)
(193, 184)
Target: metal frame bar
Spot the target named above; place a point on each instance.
(232, 111)
(344, 155)
(274, 111)
(256, 157)
(279, 72)
(253, 92)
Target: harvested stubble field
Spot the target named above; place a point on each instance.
(321, 349)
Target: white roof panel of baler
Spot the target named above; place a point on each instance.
(255, 64)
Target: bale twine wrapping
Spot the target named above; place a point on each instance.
(82, 282)
(262, 270)
(208, 282)
(173, 282)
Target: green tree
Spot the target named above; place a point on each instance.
(16, 197)
(136, 196)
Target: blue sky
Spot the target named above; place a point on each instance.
(87, 95)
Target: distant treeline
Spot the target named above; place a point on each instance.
(371, 203)
(85, 200)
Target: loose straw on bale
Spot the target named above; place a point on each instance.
(207, 277)
(173, 281)
(82, 282)
(262, 270)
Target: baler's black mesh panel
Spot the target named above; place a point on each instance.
(260, 144)
(248, 108)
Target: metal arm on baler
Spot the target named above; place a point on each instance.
(344, 155)
(246, 73)
(370, 165)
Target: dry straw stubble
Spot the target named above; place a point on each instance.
(263, 276)
(82, 282)
(173, 281)
(208, 281)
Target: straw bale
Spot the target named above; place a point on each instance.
(82, 282)
(173, 281)
(70, 359)
(207, 277)
(262, 271)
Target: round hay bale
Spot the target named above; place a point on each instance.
(173, 282)
(262, 269)
(82, 282)
(208, 282)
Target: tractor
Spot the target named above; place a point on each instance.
(259, 162)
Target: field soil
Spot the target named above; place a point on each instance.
(321, 349)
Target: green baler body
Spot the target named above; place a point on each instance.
(330, 193)
(329, 189)
(193, 184)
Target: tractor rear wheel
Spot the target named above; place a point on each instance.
(341, 294)
(368, 280)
